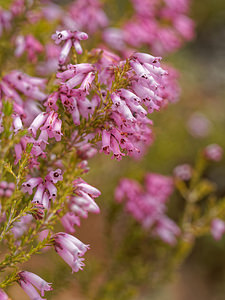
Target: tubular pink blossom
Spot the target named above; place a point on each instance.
(87, 188)
(39, 193)
(35, 280)
(52, 189)
(76, 265)
(30, 290)
(85, 85)
(106, 141)
(77, 47)
(17, 123)
(70, 249)
(65, 52)
(37, 123)
(18, 151)
(3, 295)
(76, 80)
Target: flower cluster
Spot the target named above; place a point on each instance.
(127, 129)
(30, 45)
(161, 25)
(46, 190)
(102, 104)
(93, 102)
(148, 205)
(6, 188)
(6, 16)
(86, 15)
(71, 38)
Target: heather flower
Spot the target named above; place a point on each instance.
(51, 189)
(50, 65)
(81, 186)
(28, 280)
(213, 152)
(114, 38)
(167, 230)
(71, 38)
(6, 188)
(159, 186)
(10, 93)
(69, 220)
(150, 86)
(50, 103)
(3, 184)
(38, 212)
(30, 184)
(53, 126)
(87, 15)
(198, 125)
(183, 172)
(27, 85)
(147, 205)
(86, 151)
(8, 193)
(29, 44)
(77, 74)
(17, 123)
(5, 20)
(70, 249)
(83, 200)
(17, 7)
(3, 295)
(160, 25)
(55, 176)
(217, 228)
(21, 226)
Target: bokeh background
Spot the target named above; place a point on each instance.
(201, 64)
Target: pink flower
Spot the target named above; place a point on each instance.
(70, 249)
(28, 280)
(29, 44)
(30, 184)
(21, 226)
(39, 193)
(147, 205)
(27, 85)
(51, 101)
(51, 189)
(183, 172)
(198, 125)
(37, 123)
(213, 152)
(167, 230)
(69, 220)
(70, 38)
(38, 212)
(54, 176)
(217, 228)
(17, 123)
(87, 15)
(159, 186)
(3, 295)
